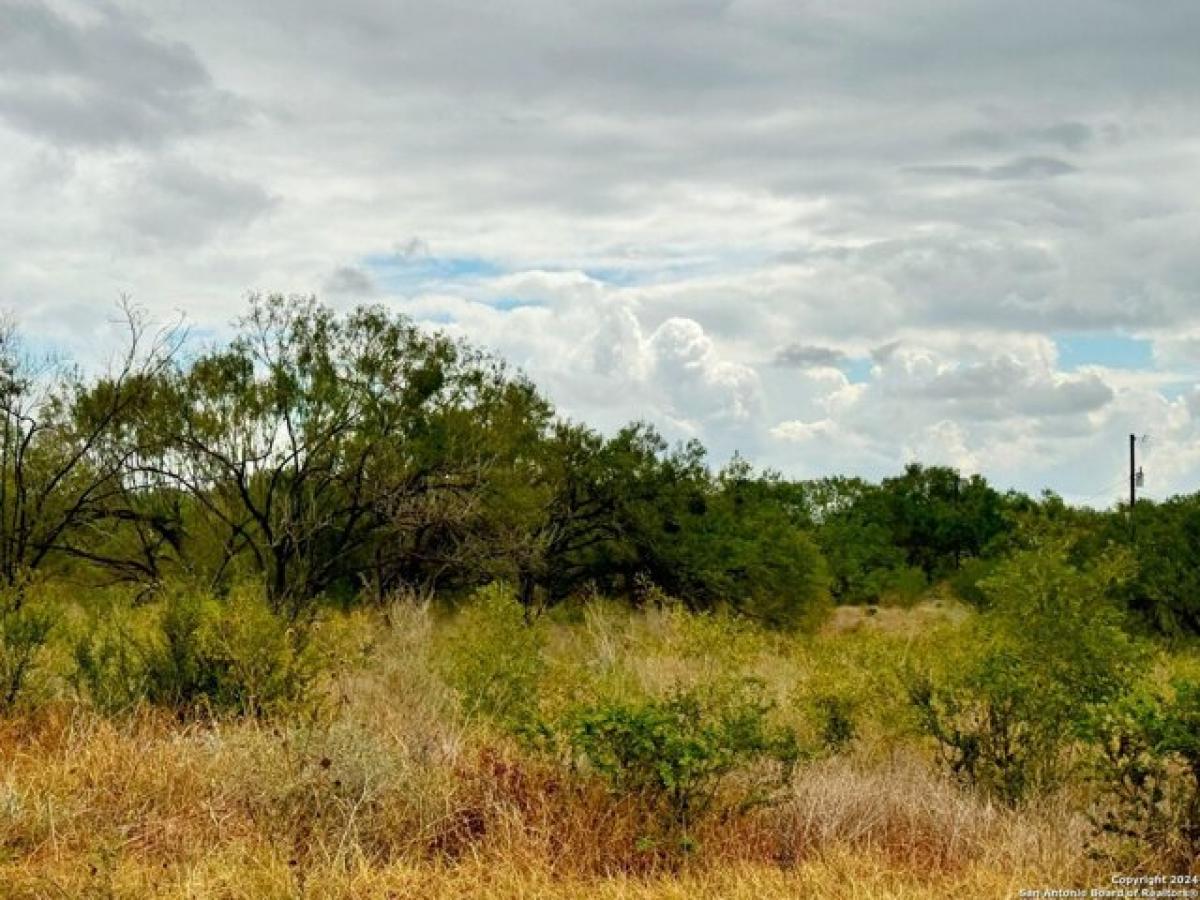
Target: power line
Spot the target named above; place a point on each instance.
(1104, 490)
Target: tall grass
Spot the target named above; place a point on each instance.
(391, 783)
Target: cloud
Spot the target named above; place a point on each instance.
(174, 202)
(101, 78)
(1025, 168)
(1069, 135)
(1179, 350)
(958, 402)
(351, 281)
(700, 384)
(817, 232)
(807, 356)
(943, 443)
(1000, 386)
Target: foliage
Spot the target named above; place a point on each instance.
(733, 542)
(335, 456)
(677, 753)
(890, 540)
(1166, 588)
(492, 657)
(968, 582)
(25, 629)
(1148, 765)
(111, 656)
(853, 536)
(939, 518)
(194, 652)
(555, 521)
(1050, 650)
(64, 452)
(836, 716)
(325, 450)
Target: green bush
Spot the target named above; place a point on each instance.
(716, 642)
(1165, 591)
(492, 657)
(1005, 703)
(836, 721)
(902, 586)
(967, 581)
(111, 658)
(994, 729)
(677, 754)
(191, 651)
(1148, 766)
(25, 629)
(257, 658)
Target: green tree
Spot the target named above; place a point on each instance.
(65, 452)
(323, 450)
(1166, 588)
(939, 518)
(740, 546)
(851, 528)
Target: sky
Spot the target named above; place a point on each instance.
(834, 236)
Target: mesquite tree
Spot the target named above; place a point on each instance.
(64, 453)
(318, 451)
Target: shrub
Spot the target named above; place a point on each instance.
(902, 586)
(994, 729)
(837, 726)
(254, 658)
(716, 642)
(180, 670)
(675, 755)
(492, 657)
(112, 658)
(1148, 766)
(24, 631)
(966, 582)
(1005, 704)
(191, 651)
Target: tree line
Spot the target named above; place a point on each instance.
(331, 457)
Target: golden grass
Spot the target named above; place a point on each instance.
(385, 792)
(146, 808)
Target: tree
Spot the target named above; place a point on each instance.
(65, 453)
(939, 518)
(1166, 589)
(558, 517)
(731, 540)
(852, 530)
(319, 448)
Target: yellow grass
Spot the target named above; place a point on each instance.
(386, 792)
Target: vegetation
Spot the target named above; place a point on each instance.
(1149, 765)
(342, 608)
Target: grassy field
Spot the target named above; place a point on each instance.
(389, 780)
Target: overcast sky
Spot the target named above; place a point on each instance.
(835, 235)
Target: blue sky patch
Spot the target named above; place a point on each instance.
(1177, 389)
(510, 303)
(618, 277)
(406, 273)
(858, 371)
(1113, 351)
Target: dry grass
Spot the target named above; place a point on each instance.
(385, 792)
(893, 619)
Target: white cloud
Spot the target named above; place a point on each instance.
(819, 232)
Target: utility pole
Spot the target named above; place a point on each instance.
(1136, 478)
(1132, 477)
